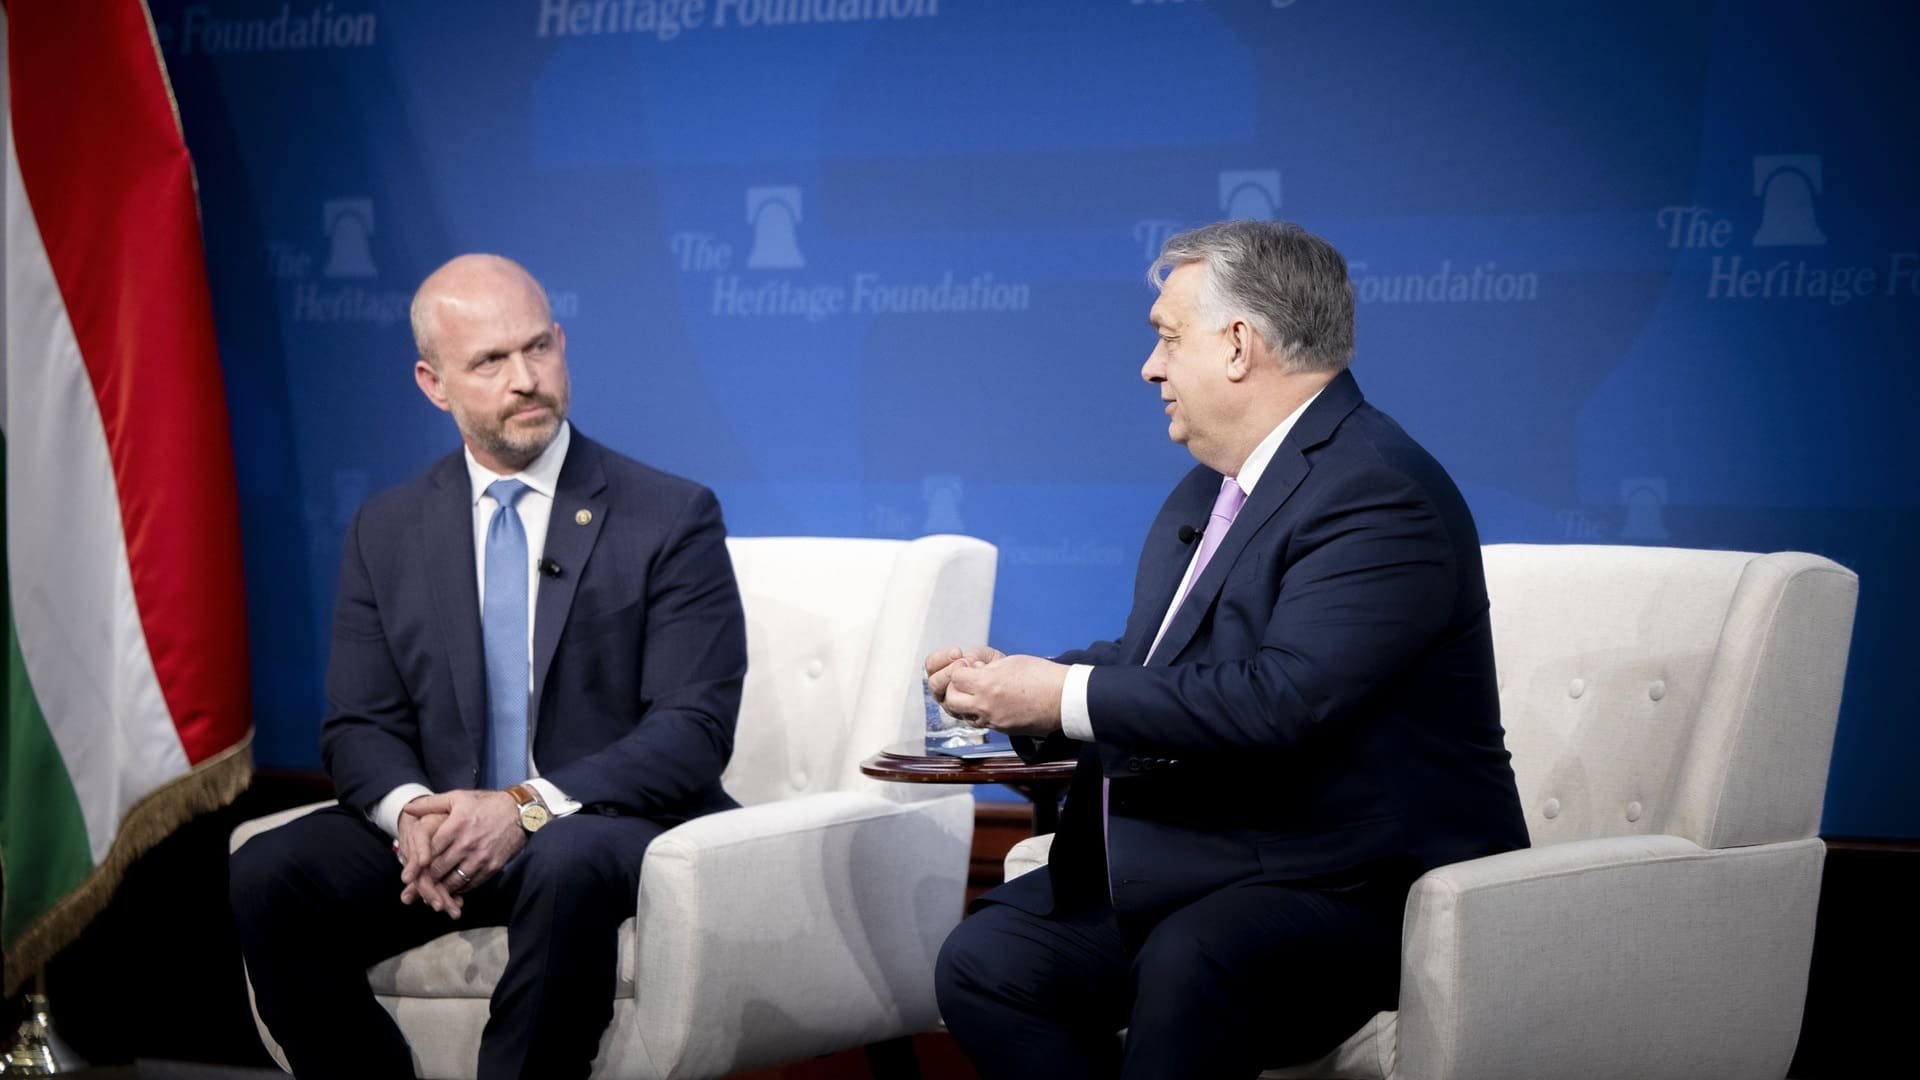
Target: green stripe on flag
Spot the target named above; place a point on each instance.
(43, 838)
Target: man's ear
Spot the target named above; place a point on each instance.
(1244, 340)
(428, 380)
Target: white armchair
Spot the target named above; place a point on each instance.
(1670, 715)
(808, 920)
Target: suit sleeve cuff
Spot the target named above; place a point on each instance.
(1074, 721)
(557, 802)
(386, 812)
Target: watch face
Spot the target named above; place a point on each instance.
(532, 816)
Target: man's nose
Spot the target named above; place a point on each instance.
(520, 374)
(1153, 371)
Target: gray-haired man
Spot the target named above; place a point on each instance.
(1299, 719)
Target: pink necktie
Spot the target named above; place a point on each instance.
(1226, 507)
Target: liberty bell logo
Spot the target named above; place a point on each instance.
(942, 495)
(774, 212)
(1645, 497)
(1786, 185)
(1250, 193)
(349, 222)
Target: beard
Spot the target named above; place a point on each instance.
(518, 442)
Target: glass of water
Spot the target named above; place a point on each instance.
(943, 728)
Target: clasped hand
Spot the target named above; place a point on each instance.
(471, 832)
(984, 687)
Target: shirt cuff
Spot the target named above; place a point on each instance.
(1074, 721)
(386, 813)
(557, 802)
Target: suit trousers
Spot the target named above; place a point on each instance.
(1250, 977)
(317, 901)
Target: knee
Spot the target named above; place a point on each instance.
(257, 876)
(968, 961)
(946, 973)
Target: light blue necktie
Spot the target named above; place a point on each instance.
(503, 628)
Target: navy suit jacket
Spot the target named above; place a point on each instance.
(638, 656)
(1323, 705)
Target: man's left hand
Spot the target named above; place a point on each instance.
(481, 833)
(1019, 695)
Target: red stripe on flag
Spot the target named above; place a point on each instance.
(111, 187)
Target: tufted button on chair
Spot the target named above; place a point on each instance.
(1670, 715)
(808, 920)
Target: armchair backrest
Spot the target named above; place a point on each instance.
(1661, 690)
(837, 631)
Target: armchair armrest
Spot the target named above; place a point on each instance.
(727, 898)
(1643, 956)
(249, 829)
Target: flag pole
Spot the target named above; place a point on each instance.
(36, 1049)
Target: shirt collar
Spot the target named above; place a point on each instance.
(1262, 455)
(542, 475)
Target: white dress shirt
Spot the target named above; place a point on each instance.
(535, 508)
(1074, 719)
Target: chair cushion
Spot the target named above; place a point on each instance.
(467, 964)
(1368, 1054)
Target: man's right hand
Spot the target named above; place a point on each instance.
(941, 665)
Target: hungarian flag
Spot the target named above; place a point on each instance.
(126, 666)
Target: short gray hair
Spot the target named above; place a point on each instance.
(422, 335)
(1291, 285)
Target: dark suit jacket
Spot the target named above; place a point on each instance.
(639, 642)
(1323, 705)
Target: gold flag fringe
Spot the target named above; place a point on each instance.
(211, 785)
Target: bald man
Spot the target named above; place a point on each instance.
(536, 664)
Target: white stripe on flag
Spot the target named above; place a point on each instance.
(80, 631)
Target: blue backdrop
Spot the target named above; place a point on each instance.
(1637, 273)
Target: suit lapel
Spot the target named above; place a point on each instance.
(1283, 474)
(1277, 484)
(456, 595)
(579, 511)
(1167, 564)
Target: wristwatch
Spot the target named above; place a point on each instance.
(533, 812)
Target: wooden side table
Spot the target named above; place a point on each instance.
(1042, 784)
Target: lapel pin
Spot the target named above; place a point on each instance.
(583, 517)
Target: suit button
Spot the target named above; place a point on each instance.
(1133, 764)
